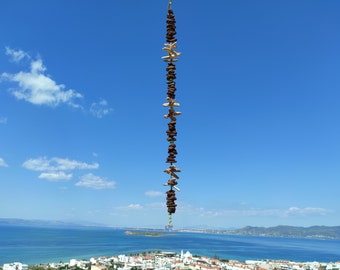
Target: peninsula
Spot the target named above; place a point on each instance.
(146, 233)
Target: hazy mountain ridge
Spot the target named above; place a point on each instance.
(322, 232)
(290, 231)
(44, 223)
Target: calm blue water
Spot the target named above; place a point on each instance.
(42, 245)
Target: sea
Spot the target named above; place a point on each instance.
(33, 245)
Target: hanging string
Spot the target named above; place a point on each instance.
(170, 59)
(169, 4)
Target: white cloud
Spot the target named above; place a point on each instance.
(95, 182)
(307, 211)
(36, 87)
(100, 109)
(156, 205)
(3, 120)
(3, 163)
(153, 193)
(255, 212)
(131, 207)
(55, 176)
(16, 55)
(57, 164)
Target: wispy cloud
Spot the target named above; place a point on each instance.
(54, 169)
(95, 182)
(55, 176)
(291, 211)
(156, 205)
(57, 164)
(16, 55)
(131, 207)
(153, 193)
(35, 86)
(3, 163)
(100, 109)
(3, 120)
(307, 211)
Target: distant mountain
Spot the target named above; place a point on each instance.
(44, 223)
(321, 232)
(290, 231)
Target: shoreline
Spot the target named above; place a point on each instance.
(158, 259)
(36, 245)
(146, 233)
(284, 231)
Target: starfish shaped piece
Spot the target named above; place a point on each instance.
(171, 102)
(172, 54)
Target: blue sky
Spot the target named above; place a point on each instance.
(82, 132)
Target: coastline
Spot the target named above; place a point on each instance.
(33, 245)
(146, 233)
(160, 260)
(313, 232)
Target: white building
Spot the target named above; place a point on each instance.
(79, 263)
(329, 266)
(15, 266)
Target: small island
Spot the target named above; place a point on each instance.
(145, 233)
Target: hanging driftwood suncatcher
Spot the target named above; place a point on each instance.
(170, 59)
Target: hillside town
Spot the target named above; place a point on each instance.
(173, 261)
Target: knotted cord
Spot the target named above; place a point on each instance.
(169, 4)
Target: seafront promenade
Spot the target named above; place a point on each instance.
(171, 260)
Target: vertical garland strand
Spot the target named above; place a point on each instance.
(171, 103)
